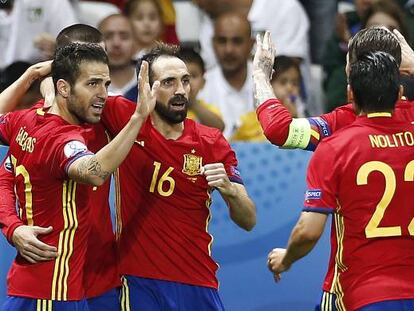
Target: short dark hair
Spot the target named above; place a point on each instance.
(161, 49)
(190, 55)
(78, 32)
(283, 63)
(375, 82)
(374, 39)
(69, 58)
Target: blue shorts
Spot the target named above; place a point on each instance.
(28, 304)
(327, 302)
(394, 305)
(139, 294)
(108, 301)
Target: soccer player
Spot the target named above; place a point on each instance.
(282, 130)
(363, 174)
(165, 196)
(101, 275)
(53, 168)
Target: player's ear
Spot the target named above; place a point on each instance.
(63, 88)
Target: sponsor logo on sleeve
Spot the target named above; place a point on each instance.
(8, 165)
(73, 148)
(234, 171)
(314, 194)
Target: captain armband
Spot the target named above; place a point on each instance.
(299, 134)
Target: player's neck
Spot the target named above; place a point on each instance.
(168, 130)
(60, 108)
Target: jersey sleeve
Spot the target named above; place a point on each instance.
(9, 220)
(304, 133)
(116, 114)
(226, 155)
(322, 181)
(64, 150)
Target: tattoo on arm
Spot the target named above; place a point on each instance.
(262, 91)
(91, 167)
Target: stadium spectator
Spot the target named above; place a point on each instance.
(374, 265)
(28, 29)
(287, 21)
(117, 32)
(229, 86)
(147, 24)
(199, 110)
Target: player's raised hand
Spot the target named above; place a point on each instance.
(407, 54)
(147, 96)
(30, 247)
(264, 56)
(40, 70)
(216, 177)
(275, 262)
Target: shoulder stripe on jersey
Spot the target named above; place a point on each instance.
(125, 304)
(66, 238)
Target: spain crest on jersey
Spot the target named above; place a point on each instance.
(192, 164)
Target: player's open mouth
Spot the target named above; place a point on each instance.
(97, 107)
(178, 105)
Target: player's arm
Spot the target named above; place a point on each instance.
(12, 95)
(320, 201)
(241, 207)
(278, 125)
(303, 239)
(95, 169)
(22, 237)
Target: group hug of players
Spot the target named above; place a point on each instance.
(166, 166)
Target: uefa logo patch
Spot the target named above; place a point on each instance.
(314, 194)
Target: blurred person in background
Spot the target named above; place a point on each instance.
(286, 84)
(229, 86)
(286, 19)
(28, 28)
(199, 110)
(118, 37)
(367, 13)
(147, 24)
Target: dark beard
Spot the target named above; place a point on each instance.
(169, 115)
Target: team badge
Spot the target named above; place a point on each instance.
(192, 164)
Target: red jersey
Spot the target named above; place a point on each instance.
(165, 200)
(40, 154)
(364, 175)
(101, 267)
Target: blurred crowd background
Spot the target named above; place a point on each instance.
(217, 39)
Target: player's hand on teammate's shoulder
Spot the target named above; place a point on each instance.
(275, 262)
(147, 95)
(30, 247)
(407, 55)
(216, 177)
